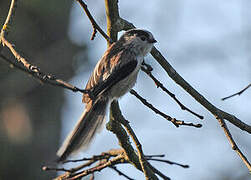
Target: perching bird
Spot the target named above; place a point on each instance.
(114, 75)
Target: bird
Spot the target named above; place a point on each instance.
(113, 76)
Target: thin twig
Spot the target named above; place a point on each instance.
(169, 162)
(47, 168)
(19, 58)
(104, 162)
(6, 25)
(120, 172)
(103, 158)
(106, 155)
(238, 93)
(45, 78)
(92, 160)
(93, 22)
(176, 122)
(84, 165)
(94, 34)
(196, 95)
(27, 67)
(155, 155)
(158, 172)
(159, 84)
(99, 167)
(233, 144)
(77, 160)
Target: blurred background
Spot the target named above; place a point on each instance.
(207, 42)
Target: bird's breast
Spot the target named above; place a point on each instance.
(125, 85)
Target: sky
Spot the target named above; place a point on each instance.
(207, 43)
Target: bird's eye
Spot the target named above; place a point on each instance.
(143, 38)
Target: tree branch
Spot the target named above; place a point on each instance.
(112, 15)
(120, 173)
(124, 140)
(101, 166)
(109, 159)
(176, 122)
(7, 23)
(167, 161)
(144, 163)
(196, 95)
(117, 157)
(238, 93)
(45, 78)
(159, 84)
(26, 66)
(114, 125)
(95, 26)
(233, 144)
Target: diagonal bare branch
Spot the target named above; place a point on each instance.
(26, 66)
(176, 122)
(95, 26)
(233, 144)
(159, 84)
(120, 172)
(140, 157)
(45, 78)
(6, 25)
(238, 93)
(196, 95)
(109, 159)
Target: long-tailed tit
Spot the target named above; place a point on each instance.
(114, 75)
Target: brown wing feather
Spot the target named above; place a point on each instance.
(103, 68)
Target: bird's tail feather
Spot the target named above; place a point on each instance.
(90, 122)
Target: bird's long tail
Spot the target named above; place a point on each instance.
(90, 122)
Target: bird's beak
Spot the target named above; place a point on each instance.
(152, 40)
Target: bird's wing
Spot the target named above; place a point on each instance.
(117, 75)
(109, 71)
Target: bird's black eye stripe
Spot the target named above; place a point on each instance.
(143, 38)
